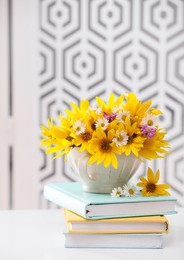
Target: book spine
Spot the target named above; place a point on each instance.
(65, 201)
(130, 241)
(167, 226)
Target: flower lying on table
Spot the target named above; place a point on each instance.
(150, 186)
(123, 125)
(117, 192)
(130, 190)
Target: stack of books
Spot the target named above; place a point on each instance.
(102, 221)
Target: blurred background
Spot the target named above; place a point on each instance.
(53, 52)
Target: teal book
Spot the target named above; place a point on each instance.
(71, 196)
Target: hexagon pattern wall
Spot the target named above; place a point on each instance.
(90, 48)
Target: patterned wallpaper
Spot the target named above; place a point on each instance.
(94, 47)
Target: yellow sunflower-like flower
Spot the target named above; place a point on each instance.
(57, 138)
(63, 142)
(155, 147)
(150, 186)
(111, 104)
(49, 138)
(135, 106)
(135, 142)
(102, 149)
(82, 139)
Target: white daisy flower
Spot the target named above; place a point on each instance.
(97, 110)
(116, 192)
(116, 109)
(150, 120)
(102, 122)
(121, 116)
(121, 139)
(92, 108)
(79, 127)
(130, 190)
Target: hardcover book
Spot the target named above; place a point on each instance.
(148, 224)
(70, 195)
(129, 241)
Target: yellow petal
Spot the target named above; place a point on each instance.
(167, 193)
(107, 160)
(93, 158)
(134, 150)
(140, 184)
(101, 158)
(114, 161)
(162, 192)
(150, 174)
(111, 101)
(163, 186)
(143, 180)
(157, 176)
(110, 134)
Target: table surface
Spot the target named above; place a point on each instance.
(37, 234)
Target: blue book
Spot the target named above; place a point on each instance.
(70, 195)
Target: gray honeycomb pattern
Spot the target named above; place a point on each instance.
(90, 48)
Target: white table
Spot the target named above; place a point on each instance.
(37, 234)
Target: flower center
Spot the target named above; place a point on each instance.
(123, 117)
(131, 191)
(150, 122)
(78, 128)
(120, 138)
(86, 136)
(105, 145)
(69, 138)
(130, 139)
(151, 187)
(93, 126)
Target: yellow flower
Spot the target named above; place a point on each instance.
(135, 142)
(49, 138)
(59, 137)
(111, 104)
(150, 186)
(154, 148)
(107, 129)
(83, 139)
(102, 149)
(135, 106)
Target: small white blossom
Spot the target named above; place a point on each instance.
(116, 109)
(117, 192)
(150, 120)
(79, 127)
(120, 139)
(130, 190)
(121, 116)
(102, 122)
(97, 110)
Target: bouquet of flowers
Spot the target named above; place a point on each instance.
(123, 125)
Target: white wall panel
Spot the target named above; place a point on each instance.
(4, 109)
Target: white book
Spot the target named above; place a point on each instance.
(126, 241)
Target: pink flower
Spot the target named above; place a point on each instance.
(149, 131)
(109, 117)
